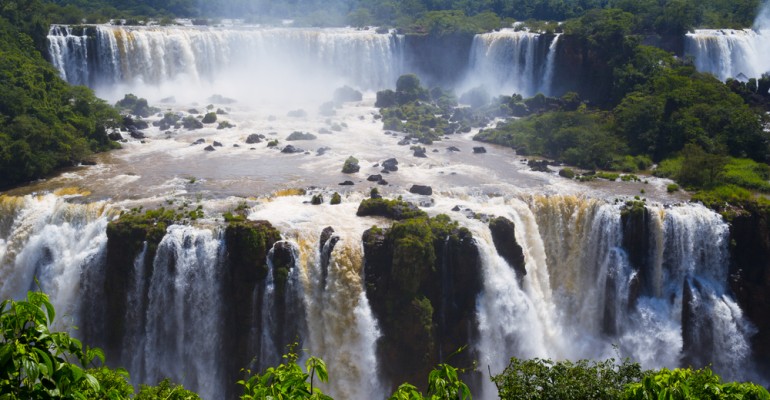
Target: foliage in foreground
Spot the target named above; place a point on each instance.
(36, 363)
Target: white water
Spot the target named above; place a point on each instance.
(273, 63)
(728, 53)
(568, 308)
(510, 61)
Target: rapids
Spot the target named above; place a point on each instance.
(585, 294)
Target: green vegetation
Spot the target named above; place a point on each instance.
(36, 363)
(394, 209)
(336, 199)
(209, 118)
(45, 124)
(350, 166)
(546, 379)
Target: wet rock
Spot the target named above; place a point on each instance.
(209, 148)
(404, 142)
(322, 150)
(504, 237)
(382, 182)
(217, 144)
(419, 152)
(421, 189)
(297, 135)
(289, 149)
(199, 141)
(253, 138)
(115, 136)
(391, 164)
(136, 133)
(236, 145)
(539, 165)
(452, 148)
(88, 162)
(479, 150)
(374, 178)
(347, 94)
(435, 150)
(351, 165)
(346, 183)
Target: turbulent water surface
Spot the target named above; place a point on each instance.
(574, 302)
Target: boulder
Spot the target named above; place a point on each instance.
(404, 142)
(452, 148)
(346, 183)
(421, 189)
(539, 165)
(351, 165)
(199, 141)
(115, 136)
(217, 144)
(346, 94)
(289, 149)
(253, 138)
(322, 150)
(504, 237)
(374, 178)
(209, 148)
(297, 135)
(419, 152)
(391, 164)
(479, 150)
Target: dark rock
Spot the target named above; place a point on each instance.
(115, 136)
(391, 164)
(87, 162)
(346, 94)
(346, 183)
(750, 275)
(289, 149)
(404, 142)
(374, 178)
(419, 152)
(236, 145)
(382, 182)
(217, 144)
(253, 138)
(435, 150)
(421, 189)
(193, 111)
(199, 141)
(504, 236)
(539, 165)
(479, 150)
(191, 123)
(297, 135)
(322, 150)
(209, 148)
(317, 199)
(135, 133)
(452, 148)
(456, 208)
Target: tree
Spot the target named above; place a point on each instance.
(35, 362)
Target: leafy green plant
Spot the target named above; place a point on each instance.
(36, 363)
(287, 380)
(689, 384)
(443, 383)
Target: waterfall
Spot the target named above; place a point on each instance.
(728, 53)
(47, 243)
(578, 298)
(341, 328)
(262, 58)
(510, 61)
(182, 319)
(600, 282)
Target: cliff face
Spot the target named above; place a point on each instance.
(750, 276)
(422, 279)
(438, 60)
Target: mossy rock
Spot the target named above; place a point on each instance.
(248, 243)
(351, 166)
(210, 118)
(336, 199)
(393, 209)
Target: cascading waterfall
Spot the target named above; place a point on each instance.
(577, 299)
(47, 243)
(585, 291)
(183, 316)
(510, 61)
(341, 327)
(728, 53)
(107, 55)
